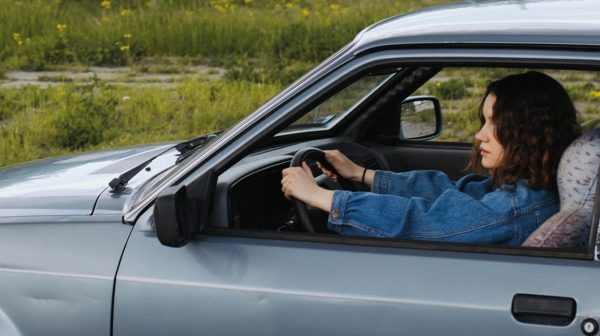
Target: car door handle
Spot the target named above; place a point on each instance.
(546, 310)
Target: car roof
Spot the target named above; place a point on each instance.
(537, 23)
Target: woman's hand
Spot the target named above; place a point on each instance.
(345, 167)
(299, 183)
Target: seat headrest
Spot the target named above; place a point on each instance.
(576, 179)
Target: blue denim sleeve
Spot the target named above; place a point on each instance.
(453, 216)
(427, 184)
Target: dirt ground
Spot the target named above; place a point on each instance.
(115, 75)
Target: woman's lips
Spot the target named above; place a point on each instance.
(483, 151)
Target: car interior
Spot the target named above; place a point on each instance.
(397, 119)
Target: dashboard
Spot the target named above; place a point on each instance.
(248, 195)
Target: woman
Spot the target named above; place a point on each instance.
(527, 120)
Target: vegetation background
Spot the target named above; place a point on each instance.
(251, 48)
(220, 59)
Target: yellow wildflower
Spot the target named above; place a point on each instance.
(125, 12)
(217, 5)
(289, 5)
(305, 11)
(438, 84)
(247, 2)
(595, 94)
(127, 36)
(125, 48)
(105, 4)
(334, 6)
(61, 27)
(18, 39)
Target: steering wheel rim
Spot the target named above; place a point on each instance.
(301, 207)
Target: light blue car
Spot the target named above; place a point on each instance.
(197, 238)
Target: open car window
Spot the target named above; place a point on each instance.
(460, 91)
(373, 110)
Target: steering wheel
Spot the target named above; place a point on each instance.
(307, 217)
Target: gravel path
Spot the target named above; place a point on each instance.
(117, 75)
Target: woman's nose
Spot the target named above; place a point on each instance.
(480, 135)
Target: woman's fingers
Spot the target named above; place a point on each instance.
(298, 182)
(327, 172)
(307, 169)
(344, 166)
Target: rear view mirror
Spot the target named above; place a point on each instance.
(420, 118)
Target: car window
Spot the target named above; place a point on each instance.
(460, 91)
(329, 112)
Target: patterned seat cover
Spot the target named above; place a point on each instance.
(577, 179)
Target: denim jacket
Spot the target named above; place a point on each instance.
(427, 205)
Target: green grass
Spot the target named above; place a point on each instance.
(55, 78)
(37, 34)
(68, 117)
(262, 45)
(38, 122)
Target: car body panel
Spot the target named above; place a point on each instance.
(527, 23)
(244, 286)
(57, 274)
(70, 185)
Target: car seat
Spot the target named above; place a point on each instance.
(577, 182)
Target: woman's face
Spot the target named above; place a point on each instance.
(490, 148)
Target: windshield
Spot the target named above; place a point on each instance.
(329, 112)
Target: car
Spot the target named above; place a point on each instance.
(197, 237)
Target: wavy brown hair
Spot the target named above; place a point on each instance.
(535, 122)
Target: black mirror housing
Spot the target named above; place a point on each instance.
(171, 216)
(182, 210)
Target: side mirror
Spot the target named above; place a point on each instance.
(420, 118)
(180, 211)
(171, 216)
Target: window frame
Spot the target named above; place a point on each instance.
(318, 90)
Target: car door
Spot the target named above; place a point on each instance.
(230, 283)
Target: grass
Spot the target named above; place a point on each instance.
(36, 122)
(55, 78)
(38, 34)
(69, 117)
(261, 46)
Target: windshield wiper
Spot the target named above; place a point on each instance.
(188, 147)
(185, 149)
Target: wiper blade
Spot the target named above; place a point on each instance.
(185, 149)
(119, 183)
(188, 147)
